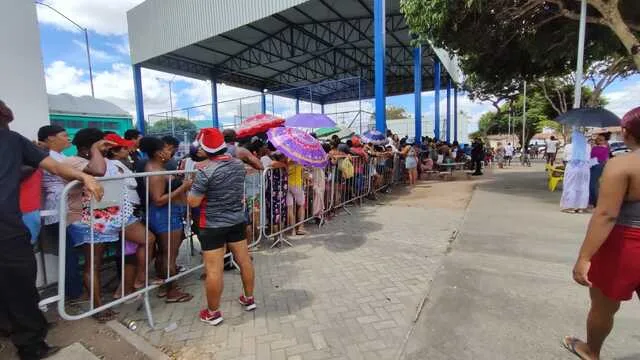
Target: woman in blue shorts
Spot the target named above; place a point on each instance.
(167, 209)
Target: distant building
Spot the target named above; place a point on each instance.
(74, 113)
(407, 127)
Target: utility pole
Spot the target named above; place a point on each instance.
(577, 94)
(170, 82)
(524, 116)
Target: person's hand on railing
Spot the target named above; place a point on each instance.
(186, 184)
(93, 186)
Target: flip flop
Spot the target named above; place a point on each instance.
(569, 343)
(182, 298)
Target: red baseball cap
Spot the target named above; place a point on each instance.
(119, 141)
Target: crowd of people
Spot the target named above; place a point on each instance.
(215, 190)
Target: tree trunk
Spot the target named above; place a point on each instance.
(616, 23)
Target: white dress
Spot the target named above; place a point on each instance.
(575, 186)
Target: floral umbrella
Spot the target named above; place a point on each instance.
(298, 146)
(258, 124)
(374, 137)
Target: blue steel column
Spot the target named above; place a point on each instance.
(417, 85)
(449, 110)
(436, 89)
(137, 89)
(455, 113)
(297, 105)
(214, 103)
(322, 108)
(264, 103)
(379, 44)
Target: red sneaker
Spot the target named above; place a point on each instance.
(211, 317)
(249, 303)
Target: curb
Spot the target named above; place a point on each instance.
(137, 341)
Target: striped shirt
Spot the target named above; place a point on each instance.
(221, 182)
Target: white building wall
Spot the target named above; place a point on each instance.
(22, 85)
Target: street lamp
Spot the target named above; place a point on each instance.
(170, 82)
(86, 41)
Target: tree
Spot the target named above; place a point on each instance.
(393, 113)
(525, 37)
(174, 126)
(540, 114)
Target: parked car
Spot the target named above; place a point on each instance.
(617, 148)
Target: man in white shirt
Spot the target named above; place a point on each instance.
(56, 140)
(551, 150)
(508, 153)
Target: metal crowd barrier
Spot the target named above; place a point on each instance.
(268, 216)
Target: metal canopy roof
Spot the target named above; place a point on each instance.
(303, 45)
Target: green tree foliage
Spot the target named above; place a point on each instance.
(502, 43)
(393, 113)
(174, 126)
(526, 37)
(540, 114)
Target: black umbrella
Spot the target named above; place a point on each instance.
(589, 117)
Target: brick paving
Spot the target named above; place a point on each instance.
(349, 290)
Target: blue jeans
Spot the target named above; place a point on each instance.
(73, 276)
(594, 183)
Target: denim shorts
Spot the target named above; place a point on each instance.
(32, 221)
(161, 222)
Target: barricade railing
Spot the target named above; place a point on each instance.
(117, 208)
(353, 186)
(271, 206)
(289, 204)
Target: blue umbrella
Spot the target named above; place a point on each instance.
(589, 117)
(312, 121)
(374, 137)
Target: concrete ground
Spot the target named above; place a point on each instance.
(505, 291)
(348, 291)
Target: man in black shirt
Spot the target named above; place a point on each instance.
(19, 297)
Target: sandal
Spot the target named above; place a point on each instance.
(569, 343)
(301, 232)
(105, 316)
(181, 298)
(155, 281)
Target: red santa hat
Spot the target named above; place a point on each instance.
(211, 140)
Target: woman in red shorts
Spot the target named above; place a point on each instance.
(608, 261)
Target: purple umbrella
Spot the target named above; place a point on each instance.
(310, 121)
(299, 146)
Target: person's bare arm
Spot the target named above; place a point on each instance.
(194, 201)
(69, 173)
(157, 194)
(278, 164)
(247, 157)
(613, 190)
(97, 165)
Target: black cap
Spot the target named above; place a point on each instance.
(49, 130)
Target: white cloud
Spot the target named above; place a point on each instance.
(103, 17)
(121, 47)
(623, 100)
(96, 54)
(115, 85)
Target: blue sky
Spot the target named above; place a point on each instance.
(66, 70)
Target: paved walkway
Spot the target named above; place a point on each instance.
(506, 292)
(349, 291)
